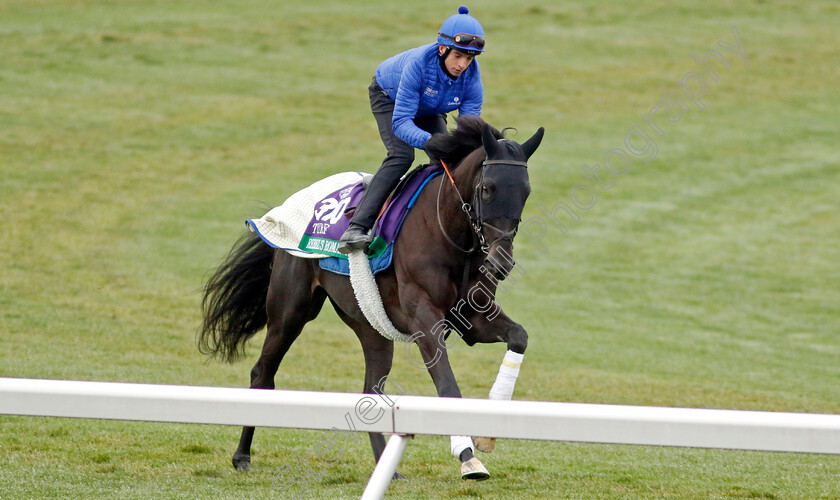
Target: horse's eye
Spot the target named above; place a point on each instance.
(487, 191)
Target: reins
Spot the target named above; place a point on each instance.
(475, 221)
(467, 209)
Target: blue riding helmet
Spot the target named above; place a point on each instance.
(462, 32)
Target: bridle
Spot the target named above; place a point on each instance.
(474, 211)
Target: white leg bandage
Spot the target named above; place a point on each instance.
(506, 379)
(457, 444)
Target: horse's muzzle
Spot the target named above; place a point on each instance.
(495, 271)
(499, 261)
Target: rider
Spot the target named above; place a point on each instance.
(409, 97)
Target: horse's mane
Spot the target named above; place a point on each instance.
(454, 146)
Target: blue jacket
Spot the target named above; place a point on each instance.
(417, 84)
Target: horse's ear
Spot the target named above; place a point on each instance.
(490, 143)
(533, 143)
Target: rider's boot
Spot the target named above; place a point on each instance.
(356, 237)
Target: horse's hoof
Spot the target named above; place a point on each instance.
(241, 462)
(484, 444)
(474, 469)
(399, 477)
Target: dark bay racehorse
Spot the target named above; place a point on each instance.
(445, 248)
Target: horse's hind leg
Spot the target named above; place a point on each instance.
(379, 355)
(292, 301)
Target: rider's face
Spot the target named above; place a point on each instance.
(456, 62)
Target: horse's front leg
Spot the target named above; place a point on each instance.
(479, 319)
(430, 326)
(500, 329)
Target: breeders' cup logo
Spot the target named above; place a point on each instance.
(330, 210)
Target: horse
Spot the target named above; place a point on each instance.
(446, 250)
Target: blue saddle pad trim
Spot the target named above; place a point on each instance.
(342, 266)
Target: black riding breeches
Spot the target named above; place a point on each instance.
(400, 154)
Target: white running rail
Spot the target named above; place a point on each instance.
(408, 415)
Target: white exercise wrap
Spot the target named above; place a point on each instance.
(506, 379)
(457, 444)
(367, 295)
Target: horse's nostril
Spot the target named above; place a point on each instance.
(491, 268)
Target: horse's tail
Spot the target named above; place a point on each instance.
(234, 299)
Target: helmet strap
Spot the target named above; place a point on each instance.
(442, 60)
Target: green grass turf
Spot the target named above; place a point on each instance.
(136, 136)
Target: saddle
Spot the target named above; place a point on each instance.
(389, 221)
(401, 186)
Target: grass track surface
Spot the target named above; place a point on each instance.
(136, 136)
